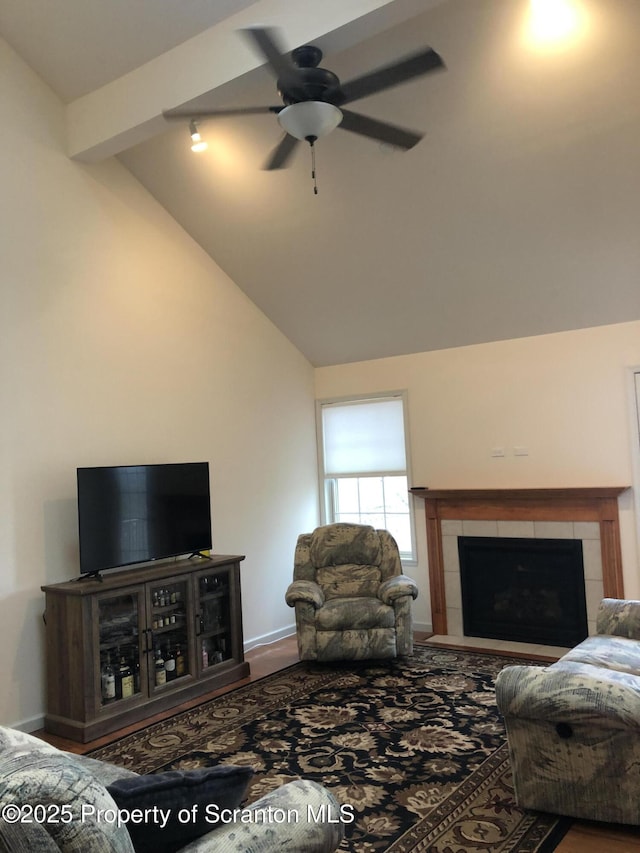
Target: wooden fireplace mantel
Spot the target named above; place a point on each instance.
(598, 503)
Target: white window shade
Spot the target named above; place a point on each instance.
(364, 437)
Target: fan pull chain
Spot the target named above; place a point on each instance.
(313, 168)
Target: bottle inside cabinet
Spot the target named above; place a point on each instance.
(170, 632)
(118, 632)
(215, 618)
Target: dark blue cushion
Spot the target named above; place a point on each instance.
(178, 792)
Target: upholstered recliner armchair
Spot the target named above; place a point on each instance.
(351, 599)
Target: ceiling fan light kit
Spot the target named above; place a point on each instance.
(309, 120)
(313, 98)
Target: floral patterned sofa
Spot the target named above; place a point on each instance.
(351, 599)
(574, 727)
(51, 801)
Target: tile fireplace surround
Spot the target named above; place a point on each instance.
(588, 514)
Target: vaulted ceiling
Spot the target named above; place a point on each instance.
(517, 213)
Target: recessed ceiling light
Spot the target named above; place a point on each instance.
(554, 20)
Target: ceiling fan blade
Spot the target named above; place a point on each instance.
(281, 153)
(383, 78)
(194, 112)
(269, 46)
(392, 134)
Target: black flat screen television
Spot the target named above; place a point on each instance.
(137, 513)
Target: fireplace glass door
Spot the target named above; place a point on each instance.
(525, 590)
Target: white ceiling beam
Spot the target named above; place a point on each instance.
(129, 110)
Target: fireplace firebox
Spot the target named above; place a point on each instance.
(525, 590)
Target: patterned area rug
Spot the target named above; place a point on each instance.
(417, 748)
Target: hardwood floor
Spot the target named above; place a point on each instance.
(598, 837)
(583, 837)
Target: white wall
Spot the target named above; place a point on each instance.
(565, 397)
(123, 343)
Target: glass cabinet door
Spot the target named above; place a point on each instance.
(214, 609)
(119, 619)
(170, 650)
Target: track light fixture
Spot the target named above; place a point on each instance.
(197, 142)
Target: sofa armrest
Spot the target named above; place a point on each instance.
(23, 836)
(33, 773)
(102, 771)
(308, 591)
(397, 587)
(300, 815)
(570, 692)
(619, 618)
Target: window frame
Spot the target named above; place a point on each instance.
(633, 388)
(328, 485)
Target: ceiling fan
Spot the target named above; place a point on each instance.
(313, 98)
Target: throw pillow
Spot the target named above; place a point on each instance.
(168, 810)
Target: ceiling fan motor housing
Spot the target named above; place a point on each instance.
(311, 83)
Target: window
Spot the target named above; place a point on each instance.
(364, 465)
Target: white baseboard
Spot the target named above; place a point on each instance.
(271, 637)
(29, 726)
(290, 630)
